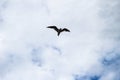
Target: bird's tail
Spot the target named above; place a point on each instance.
(58, 33)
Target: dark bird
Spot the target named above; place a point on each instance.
(58, 30)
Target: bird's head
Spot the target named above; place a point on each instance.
(60, 29)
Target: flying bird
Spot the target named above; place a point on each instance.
(59, 30)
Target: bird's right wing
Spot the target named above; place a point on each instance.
(65, 29)
(53, 27)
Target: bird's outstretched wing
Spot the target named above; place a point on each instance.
(53, 27)
(65, 29)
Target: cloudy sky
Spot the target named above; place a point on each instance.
(30, 51)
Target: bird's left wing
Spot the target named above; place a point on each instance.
(53, 27)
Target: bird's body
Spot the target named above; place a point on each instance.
(58, 30)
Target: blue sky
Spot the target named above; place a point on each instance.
(30, 51)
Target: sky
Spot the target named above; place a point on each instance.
(30, 51)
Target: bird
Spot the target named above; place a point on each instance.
(59, 30)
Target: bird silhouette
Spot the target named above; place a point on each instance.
(58, 30)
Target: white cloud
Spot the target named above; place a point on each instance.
(41, 54)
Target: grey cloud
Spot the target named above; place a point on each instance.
(36, 56)
(110, 15)
(8, 63)
(87, 77)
